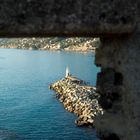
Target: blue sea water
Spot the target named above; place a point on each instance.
(28, 109)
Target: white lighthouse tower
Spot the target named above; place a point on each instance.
(67, 72)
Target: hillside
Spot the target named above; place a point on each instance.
(52, 43)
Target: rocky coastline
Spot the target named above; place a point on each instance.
(76, 44)
(79, 98)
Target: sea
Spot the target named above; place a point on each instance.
(29, 110)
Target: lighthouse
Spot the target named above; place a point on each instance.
(67, 72)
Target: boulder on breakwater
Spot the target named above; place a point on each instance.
(79, 98)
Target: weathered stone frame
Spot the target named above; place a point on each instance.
(117, 23)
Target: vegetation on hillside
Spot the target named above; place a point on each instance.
(52, 43)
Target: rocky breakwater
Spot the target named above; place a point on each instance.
(79, 98)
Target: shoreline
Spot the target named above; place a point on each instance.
(53, 50)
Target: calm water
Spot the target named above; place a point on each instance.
(28, 109)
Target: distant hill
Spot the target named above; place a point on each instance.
(80, 44)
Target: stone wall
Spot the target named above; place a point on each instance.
(118, 84)
(68, 17)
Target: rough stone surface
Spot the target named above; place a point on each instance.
(68, 17)
(118, 84)
(79, 99)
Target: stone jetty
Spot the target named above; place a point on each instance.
(79, 98)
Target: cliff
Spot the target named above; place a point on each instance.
(52, 43)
